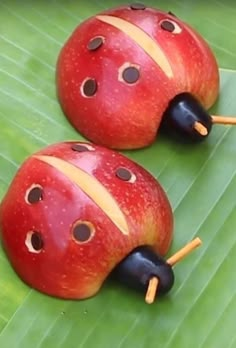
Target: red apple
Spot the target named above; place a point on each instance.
(119, 71)
(74, 211)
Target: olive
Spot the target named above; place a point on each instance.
(140, 266)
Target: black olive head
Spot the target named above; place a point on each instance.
(142, 264)
(186, 118)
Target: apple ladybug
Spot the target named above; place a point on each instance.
(126, 71)
(76, 213)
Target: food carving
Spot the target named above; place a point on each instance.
(124, 72)
(76, 212)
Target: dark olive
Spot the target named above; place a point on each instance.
(140, 266)
(182, 116)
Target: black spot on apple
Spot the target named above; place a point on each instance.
(123, 174)
(37, 241)
(34, 195)
(137, 6)
(95, 43)
(168, 26)
(82, 232)
(89, 87)
(131, 75)
(79, 148)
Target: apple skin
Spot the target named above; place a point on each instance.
(62, 267)
(122, 115)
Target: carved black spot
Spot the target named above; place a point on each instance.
(123, 174)
(82, 232)
(131, 74)
(90, 87)
(95, 43)
(79, 148)
(137, 6)
(35, 195)
(37, 241)
(168, 26)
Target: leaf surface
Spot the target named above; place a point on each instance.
(200, 182)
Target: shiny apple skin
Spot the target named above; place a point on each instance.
(63, 267)
(122, 115)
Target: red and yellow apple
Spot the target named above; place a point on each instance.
(120, 69)
(74, 211)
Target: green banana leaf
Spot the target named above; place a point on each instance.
(200, 181)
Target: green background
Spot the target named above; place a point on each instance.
(200, 182)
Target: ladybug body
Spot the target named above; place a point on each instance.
(119, 71)
(74, 211)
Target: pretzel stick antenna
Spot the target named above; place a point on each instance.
(178, 256)
(223, 120)
(200, 128)
(188, 248)
(152, 289)
(226, 120)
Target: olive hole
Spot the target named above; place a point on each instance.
(170, 26)
(95, 43)
(137, 6)
(89, 87)
(34, 194)
(125, 175)
(83, 231)
(34, 242)
(81, 147)
(129, 73)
